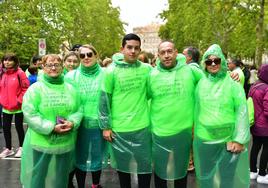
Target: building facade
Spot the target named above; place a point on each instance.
(149, 37)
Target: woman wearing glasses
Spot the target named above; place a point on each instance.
(53, 112)
(90, 147)
(221, 126)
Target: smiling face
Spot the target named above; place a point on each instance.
(131, 51)
(52, 66)
(87, 56)
(213, 64)
(10, 61)
(167, 54)
(9, 64)
(71, 62)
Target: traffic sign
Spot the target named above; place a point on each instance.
(42, 47)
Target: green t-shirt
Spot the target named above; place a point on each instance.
(127, 84)
(172, 99)
(88, 86)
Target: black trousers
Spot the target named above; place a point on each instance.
(178, 183)
(144, 180)
(258, 143)
(81, 178)
(7, 119)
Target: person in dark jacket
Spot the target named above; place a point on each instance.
(259, 131)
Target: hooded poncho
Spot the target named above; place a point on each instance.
(172, 112)
(124, 110)
(47, 156)
(91, 148)
(220, 116)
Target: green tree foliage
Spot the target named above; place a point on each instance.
(231, 23)
(23, 22)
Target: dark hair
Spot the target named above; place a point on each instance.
(32, 69)
(130, 36)
(76, 47)
(237, 62)
(145, 57)
(36, 58)
(194, 53)
(11, 57)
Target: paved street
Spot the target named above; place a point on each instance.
(10, 171)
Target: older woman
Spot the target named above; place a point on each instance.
(91, 147)
(221, 126)
(53, 113)
(71, 62)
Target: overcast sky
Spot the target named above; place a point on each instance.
(140, 12)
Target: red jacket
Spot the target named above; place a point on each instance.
(13, 85)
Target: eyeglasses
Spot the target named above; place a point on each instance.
(83, 55)
(50, 66)
(216, 61)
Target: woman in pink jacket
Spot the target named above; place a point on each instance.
(13, 85)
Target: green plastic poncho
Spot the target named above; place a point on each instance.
(221, 117)
(91, 148)
(48, 157)
(172, 112)
(124, 110)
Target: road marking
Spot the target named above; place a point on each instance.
(12, 158)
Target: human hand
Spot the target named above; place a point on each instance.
(63, 127)
(108, 135)
(235, 76)
(235, 147)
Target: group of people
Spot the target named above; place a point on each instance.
(159, 135)
(143, 120)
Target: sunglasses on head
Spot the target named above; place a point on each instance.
(83, 55)
(216, 61)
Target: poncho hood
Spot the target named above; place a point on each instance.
(215, 50)
(263, 73)
(118, 60)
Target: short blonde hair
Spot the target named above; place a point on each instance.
(52, 56)
(89, 46)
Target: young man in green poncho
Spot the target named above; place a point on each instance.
(171, 88)
(124, 113)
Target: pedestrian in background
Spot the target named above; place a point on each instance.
(259, 131)
(13, 85)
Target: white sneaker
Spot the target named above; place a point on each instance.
(262, 179)
(19, 152)
(6, 152)
(254, 175)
